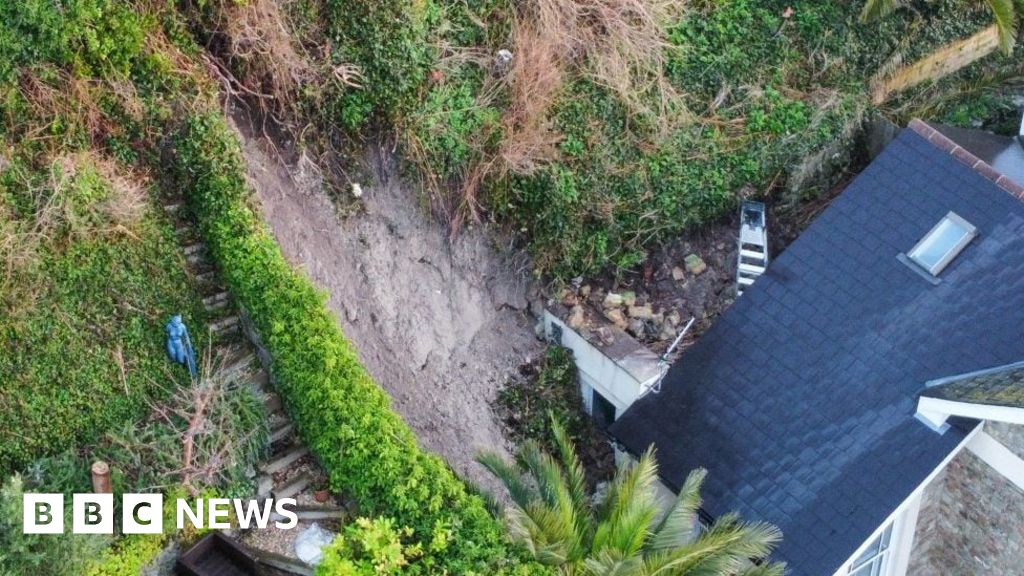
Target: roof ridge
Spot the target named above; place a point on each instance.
(944, 143)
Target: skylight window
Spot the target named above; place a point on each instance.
(942, 243)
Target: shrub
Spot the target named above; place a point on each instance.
(388, 41)
(341, 414)
(51, 554)
(129, 555)
(94, 37)
(371, 548)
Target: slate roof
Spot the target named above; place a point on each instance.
(800, 399)
(1002, 386)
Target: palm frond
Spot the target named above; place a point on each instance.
(1005, 14)
(751, 539)
(575, 482)
(556, 494)
(875, 9)
(630, 508)
(544, 469)
(546, 532)
(511, 476)
(613, 563)
(575, 479)
(676, 528)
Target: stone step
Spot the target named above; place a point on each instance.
(216, 301)
(239, 361)
(261, 380)
(281, 432)
(309, 513)
(264, 486)
(272, 403)
(284, 563)
(224, 324)
(293, 486)
(207, 276)
(285, 460)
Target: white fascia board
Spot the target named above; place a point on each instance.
(999, 457)
(914, 499)
(935, 412)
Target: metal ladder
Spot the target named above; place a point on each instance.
(753, 245)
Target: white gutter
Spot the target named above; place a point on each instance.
(935, 411)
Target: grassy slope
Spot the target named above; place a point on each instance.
(89, 309)
(783, 88)
(83, 304)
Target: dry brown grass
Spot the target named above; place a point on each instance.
(264, 59)
(620, 44)
(258, 37)
(80, 212)
(535, 79)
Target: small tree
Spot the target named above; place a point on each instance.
(624, 533)
(1003, 11)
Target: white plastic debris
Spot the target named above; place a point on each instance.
(310, 543)
(357, 190)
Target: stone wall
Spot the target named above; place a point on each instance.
(972, 519)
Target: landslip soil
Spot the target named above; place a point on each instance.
(440, 324)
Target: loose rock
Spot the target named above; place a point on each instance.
(641, 312)
(695, 265)
(617, 317)
(674, 318)
(677, 273)
(636, 328)
(585, 291)
(629, 298)
(576, 317)
(613, 300)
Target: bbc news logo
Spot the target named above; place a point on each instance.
(143, 513)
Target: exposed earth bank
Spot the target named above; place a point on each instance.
(440, 325)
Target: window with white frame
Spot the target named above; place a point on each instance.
(942, 243)
(875, 560)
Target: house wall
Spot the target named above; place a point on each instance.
(972, 518)
(620, 377)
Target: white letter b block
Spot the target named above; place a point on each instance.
(43, 514)
(92, 514)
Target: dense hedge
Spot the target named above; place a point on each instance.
(341, 414)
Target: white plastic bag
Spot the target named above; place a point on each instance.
(310, 543)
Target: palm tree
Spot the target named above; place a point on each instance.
(624, 533)
(1004, 12)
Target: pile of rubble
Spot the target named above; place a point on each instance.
(637, 312)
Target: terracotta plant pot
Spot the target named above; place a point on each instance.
(321, 496)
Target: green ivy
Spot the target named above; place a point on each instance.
(388, 40)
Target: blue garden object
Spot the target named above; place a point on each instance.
(179, 345)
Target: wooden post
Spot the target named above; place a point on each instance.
(939, 63)
(101, 478)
